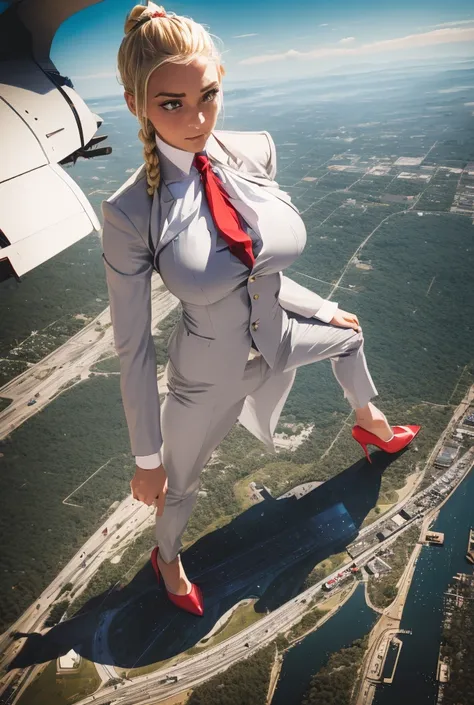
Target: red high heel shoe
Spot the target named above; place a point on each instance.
(191, 602)
(402, 436)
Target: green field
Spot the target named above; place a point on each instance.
(50, 688)
(418, 348)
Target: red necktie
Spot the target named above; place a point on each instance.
(224, 215)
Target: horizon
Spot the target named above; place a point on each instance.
(313, 39)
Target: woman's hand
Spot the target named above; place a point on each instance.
(150, 487)
(344, 319)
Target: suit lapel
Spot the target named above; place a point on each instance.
(233, 165)
(168, 216)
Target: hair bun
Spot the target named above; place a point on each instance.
(141, 13)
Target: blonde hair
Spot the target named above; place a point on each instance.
(148, 43)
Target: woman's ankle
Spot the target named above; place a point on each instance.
(373, 420)
(174, 576)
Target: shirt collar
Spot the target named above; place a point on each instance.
(179, 157)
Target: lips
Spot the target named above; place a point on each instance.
(195, 138)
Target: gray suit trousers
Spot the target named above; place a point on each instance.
(196, 418)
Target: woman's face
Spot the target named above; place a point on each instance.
(183, 102)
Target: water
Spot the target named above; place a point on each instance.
(352, 621)
(414, 682)
(415, 679)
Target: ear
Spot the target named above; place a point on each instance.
(130, 100)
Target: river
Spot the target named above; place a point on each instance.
(414, 682)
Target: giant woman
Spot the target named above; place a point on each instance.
(206, 212)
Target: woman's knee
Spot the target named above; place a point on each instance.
(352, 343)
(182, 485)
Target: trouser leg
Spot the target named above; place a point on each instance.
(310, 340)
(194, 420)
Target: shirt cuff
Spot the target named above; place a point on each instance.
(327, 311)
(148, 462)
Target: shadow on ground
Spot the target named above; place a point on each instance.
(266, 552)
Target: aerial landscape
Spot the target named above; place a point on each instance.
(359, 587)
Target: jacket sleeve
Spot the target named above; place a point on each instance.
(294, 297)
(270, 157)
(128, 269)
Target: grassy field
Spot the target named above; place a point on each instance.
(410, 361)
(49, 688)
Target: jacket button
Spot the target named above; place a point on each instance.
(255, 325)
(252, 279)
(255, 296)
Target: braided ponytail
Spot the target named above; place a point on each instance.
(150, 153)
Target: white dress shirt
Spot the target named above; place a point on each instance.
(184, 161)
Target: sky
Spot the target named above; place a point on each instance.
(267, 41)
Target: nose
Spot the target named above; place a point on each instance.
(198, 123)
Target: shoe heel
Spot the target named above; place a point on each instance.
(366, 451)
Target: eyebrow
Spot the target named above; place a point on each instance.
(183, 95)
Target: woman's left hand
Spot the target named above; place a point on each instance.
(344, 319)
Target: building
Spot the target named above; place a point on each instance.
(384, 534)
(377, 567)
(461, 432)
(68, 662)
(446, 456)
(469, 420)
(409, 511)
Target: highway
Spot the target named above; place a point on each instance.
(134, 517)
(71, 360)
(199, 668)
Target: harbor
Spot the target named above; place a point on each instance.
(418, 668)
(470, 546)
(455, 665)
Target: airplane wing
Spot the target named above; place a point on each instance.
(45, 124)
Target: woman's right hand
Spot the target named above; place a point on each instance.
(150, 487)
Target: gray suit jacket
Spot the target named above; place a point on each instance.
(136, 227)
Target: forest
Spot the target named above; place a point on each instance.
(457, 648)
(335, 683)
(35, 320)
(84, 429)
(412, 298)
(244, 683)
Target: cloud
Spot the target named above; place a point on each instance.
(452, 24)
(92, 77)
(242, 36)
(437, 36)
(346, 40)
(324, 25)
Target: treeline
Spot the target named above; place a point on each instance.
(245, 683)
(307, 622)
(334, 683)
